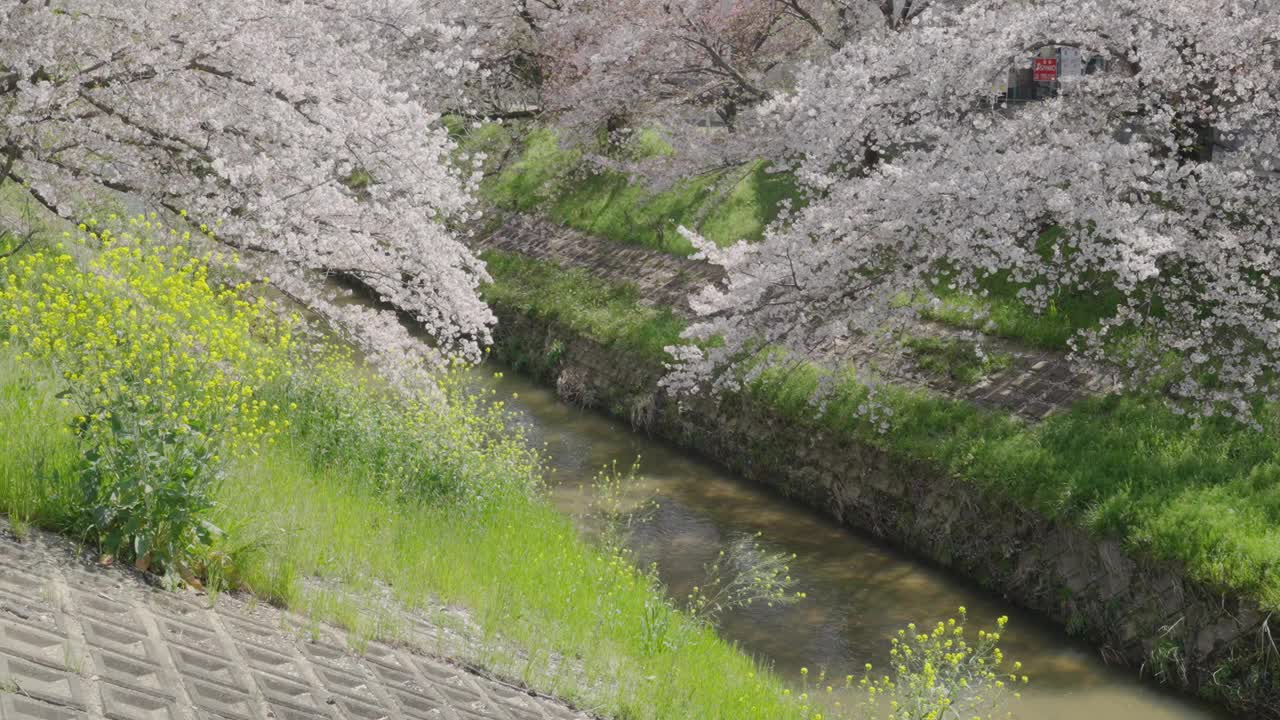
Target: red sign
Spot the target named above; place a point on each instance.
(1045, 70)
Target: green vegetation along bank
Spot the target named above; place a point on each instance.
(527, 170)
(1155, 537)
(161, 408)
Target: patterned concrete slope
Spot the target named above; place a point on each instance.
(81, 641)
(1035, 384)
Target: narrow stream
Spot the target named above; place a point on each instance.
(859, 592)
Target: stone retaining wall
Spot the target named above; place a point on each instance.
(1140, 612)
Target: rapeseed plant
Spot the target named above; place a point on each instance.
(938, 673)
(163, 371)
(190, 401)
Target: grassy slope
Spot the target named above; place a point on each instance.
(316, 505)
(518, 567)
(38, 463)
(1207, 495)
(726, 207)
(611, 314)
(331, 517)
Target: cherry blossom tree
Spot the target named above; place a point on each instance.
(1159, 173)
(671, 67)
(692, 71)
(307, 131)
(505, 43)
(613, 60)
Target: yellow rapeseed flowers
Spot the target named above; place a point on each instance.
(160, 362)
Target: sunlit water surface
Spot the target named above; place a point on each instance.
(859, 592)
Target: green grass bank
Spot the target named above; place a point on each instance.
(529, 171)
(287, 470)
(1200, 501)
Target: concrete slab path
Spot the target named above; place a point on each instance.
(78, 640)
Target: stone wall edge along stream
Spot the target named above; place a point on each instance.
(1140, 612)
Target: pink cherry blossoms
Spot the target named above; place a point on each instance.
(312, 132)
(308, 131)
(1159, 171)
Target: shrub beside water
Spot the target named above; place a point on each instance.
(440, 444)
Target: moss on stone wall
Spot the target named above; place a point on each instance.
(1130, 604)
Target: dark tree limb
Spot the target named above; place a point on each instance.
(8, 156)
(26, 240)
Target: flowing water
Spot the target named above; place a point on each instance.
(859, 592)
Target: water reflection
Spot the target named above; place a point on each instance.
(859, 593)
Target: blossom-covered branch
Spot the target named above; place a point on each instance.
(306, 130)
(1157, 176)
